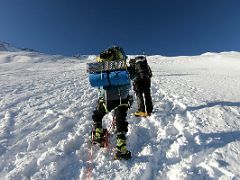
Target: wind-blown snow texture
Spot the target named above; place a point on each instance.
(46, 105)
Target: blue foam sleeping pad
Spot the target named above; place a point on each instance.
(113, 78)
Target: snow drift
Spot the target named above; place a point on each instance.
(46, 105)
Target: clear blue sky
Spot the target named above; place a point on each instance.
(166, 27)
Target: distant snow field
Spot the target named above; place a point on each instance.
(46, 105)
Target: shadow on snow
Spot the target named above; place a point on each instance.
(215, 140)
(211, 104)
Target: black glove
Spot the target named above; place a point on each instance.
(130, 101)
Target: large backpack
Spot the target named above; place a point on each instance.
(142, 68)
(110, 70)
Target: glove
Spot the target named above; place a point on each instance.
(101, 100)
(130, 101)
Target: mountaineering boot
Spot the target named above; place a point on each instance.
(98, 136)
(149, 114)
(121, 147)
(140, 114)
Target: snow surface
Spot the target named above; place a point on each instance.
(46, 105)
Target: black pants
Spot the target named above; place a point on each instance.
(120, 113)
(142, 87)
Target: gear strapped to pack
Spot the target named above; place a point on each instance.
(110, 73)
(110, 70)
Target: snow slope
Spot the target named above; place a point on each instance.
(46, 105)
(7, 47)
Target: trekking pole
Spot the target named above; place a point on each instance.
(145, 107)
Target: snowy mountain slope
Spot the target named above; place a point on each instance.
(46, 105)
(7, 47)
